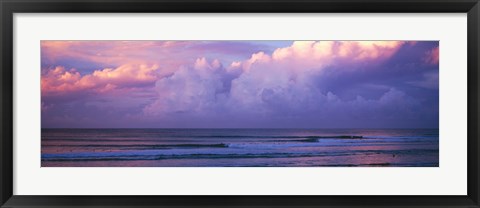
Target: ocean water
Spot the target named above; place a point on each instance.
(240, 147)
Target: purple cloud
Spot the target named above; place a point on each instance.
(309, 84)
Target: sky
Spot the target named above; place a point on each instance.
(239, 84)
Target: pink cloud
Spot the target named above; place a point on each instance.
(156, 81)
(285, 76)
(315, 55)
(353, 50)
(432, 56)
(116, 53)
(290, 70)
(60, 80)
(279, 69)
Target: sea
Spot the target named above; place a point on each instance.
(240, 148)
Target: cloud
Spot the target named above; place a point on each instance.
(280, 86)
(87, 55)
(191, 89)
(109, 52)
(59, 80)
(432, 56)
(317, 54)
(294, 70)
(295, 86)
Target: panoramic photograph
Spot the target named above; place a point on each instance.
(239, 103)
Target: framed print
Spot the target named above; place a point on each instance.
(239, 104)
(204, 109)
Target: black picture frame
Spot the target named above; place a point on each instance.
(9, 7)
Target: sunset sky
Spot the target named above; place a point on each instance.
(240, 84)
